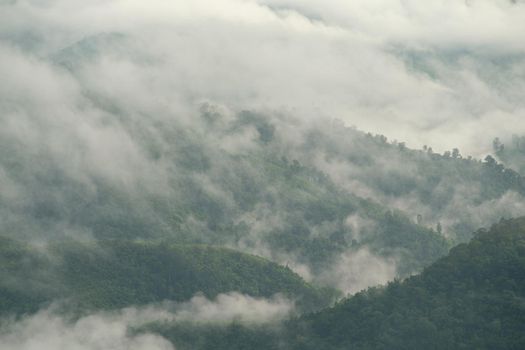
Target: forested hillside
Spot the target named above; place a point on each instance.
(114, 274)
(258, 199)
(307, 201)
(302, 192)
(262, 174)
(472, 299)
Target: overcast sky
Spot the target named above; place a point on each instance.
(446, 73)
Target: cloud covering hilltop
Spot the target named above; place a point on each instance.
(424, 71)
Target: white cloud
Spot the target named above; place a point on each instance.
(332, 58)
(354, 271)
(48, 330)
(234, 307)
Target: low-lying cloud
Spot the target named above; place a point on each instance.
(443, 72)
(49, 330)
(234, 307)
(354, 271)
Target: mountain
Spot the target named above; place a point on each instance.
(262, 174)
(304, 193)
(301, 192)
(228, 180)
(108, 275)
(474, 298)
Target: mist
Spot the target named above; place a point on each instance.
(47, 330)
(379, 66)
(237, 123)
(122, 329)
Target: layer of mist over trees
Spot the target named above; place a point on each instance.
(473, 298)
(186, 174)
(303, 195)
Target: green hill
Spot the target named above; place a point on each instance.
(259, 200)
(460, 192)
(298, 192)
(307, 194)
(472, 299)
(114, 274)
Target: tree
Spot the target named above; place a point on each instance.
(490, 161)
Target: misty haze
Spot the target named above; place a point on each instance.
(262, 174)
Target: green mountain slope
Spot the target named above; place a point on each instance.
(472, 299)
(116, 274)
(193, 191)
(296, 192)
(460, 192)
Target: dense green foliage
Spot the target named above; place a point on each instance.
(115, 274)
(26, 278)
(472, 299)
